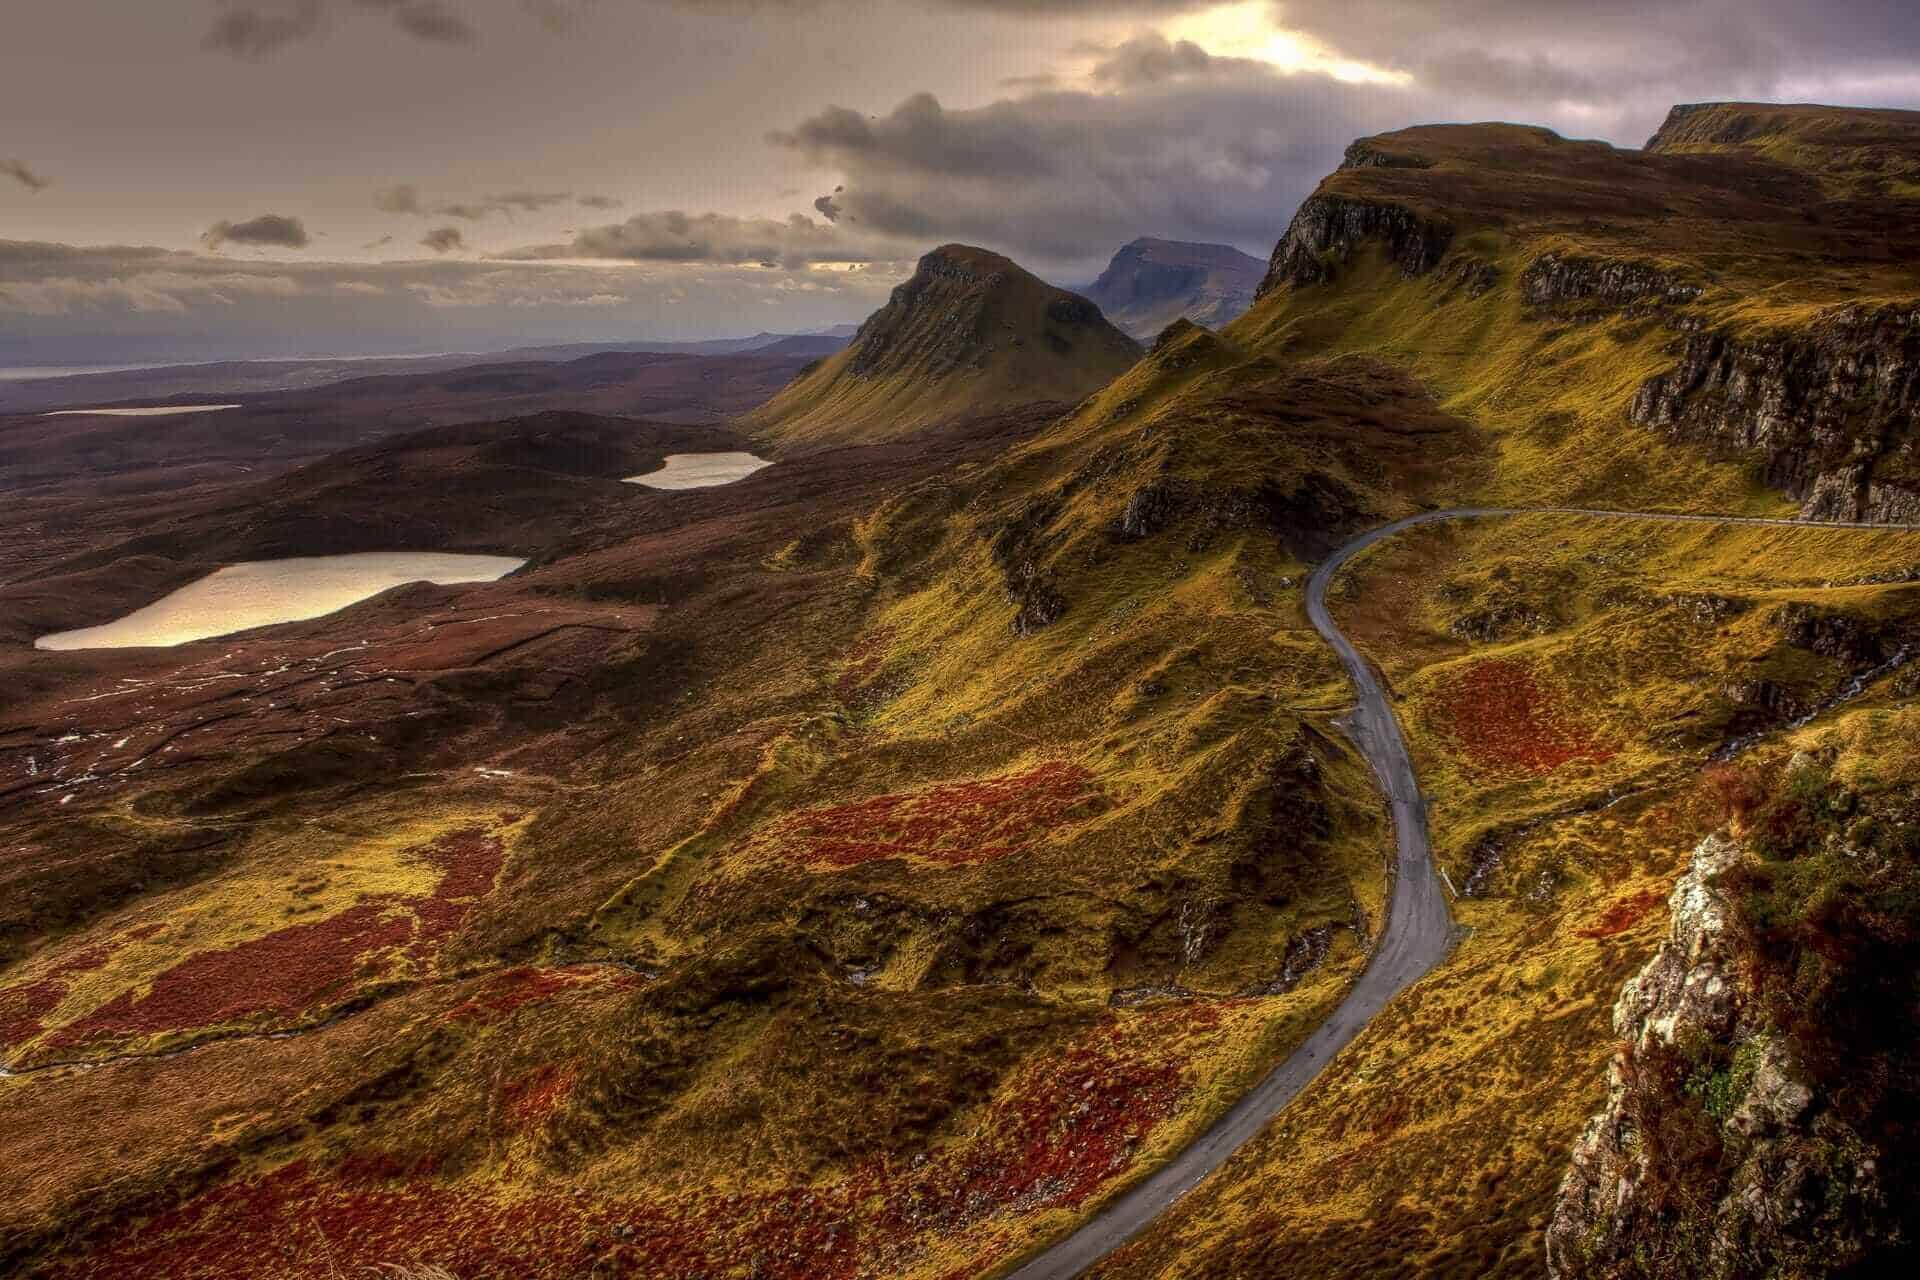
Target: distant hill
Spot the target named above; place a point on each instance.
(1151, 283)
(228, 378)
(969, 332)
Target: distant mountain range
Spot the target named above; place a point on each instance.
(1151, 283)
(255, 377)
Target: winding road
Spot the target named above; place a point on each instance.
(1417, 936)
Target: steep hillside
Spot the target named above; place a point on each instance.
(1151, 283)
(867, 868)
(1627, 322)
(970, 332)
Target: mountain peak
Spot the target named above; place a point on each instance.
(1152, 282)
(969, 330)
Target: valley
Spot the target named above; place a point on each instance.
(1007, 797)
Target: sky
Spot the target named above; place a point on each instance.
(188, 179)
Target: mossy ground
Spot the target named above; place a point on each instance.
(1433, 1146)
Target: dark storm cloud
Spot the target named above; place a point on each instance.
(1061, 178)
(444, 240)
(26, 177)
(267, 229)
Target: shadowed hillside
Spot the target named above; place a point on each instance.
(970, 332)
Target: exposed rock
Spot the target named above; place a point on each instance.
(1329, 229)
(1828, 410)
(1831, 633)
(1465, 273)
(1707, 609)
(1712, 1156)
(1555, 279)
(1365, 155)
(1149, 510)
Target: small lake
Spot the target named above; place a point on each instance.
(158, 411)
(700, 470)
(260, 593)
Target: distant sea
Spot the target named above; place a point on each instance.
(22, 372)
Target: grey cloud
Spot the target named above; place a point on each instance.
(1151, 59)
(259, 28)
(530, 201)
(1590, 53)
(269, 229)
(249, 30)
(675, 236)
(826, 206)
(444, 240)
(405, 198)
(18, 171)
(1060, 178)
(95, 303)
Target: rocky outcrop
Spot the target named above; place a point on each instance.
(1329, 229)
(1827, 410)
(1713, 1156)
(1366, 154)
(1557, 279)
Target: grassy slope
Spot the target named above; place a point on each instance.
(873, 866)
(1435, 1145)
(983, 335)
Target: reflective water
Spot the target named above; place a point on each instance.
(260, 593)
(158, 411)
(700, 470)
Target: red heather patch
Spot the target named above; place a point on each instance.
(285, 972)
(22, 1007)
(1069, 1125)
(1505, 719)
(509, 990)
(299, 1224)
(1621, 915)
(957, 823)
(529, 1100)
(293, 969)
(469, 863)
(1062, 1131)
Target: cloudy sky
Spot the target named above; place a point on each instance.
(194, 178)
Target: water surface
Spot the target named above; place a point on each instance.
(259, 593)
(700, 470)
(155, 412)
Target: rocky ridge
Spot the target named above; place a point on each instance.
(1828, 409)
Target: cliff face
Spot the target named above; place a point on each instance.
(1717, 1153)
(1828, 411)
(1328, 230)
